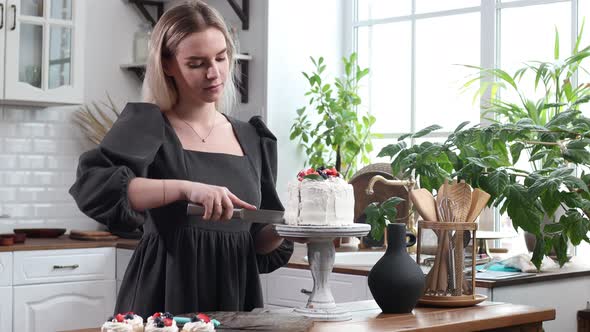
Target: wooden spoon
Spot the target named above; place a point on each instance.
(424, 203)
(479, 199)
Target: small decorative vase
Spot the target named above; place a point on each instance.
(396, 281)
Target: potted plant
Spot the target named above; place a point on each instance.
(379, 215)
(549, 132)
(338, 133)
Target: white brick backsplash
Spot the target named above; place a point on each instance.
(8, 161)
(68, 178)
(16, 178)
(45, 146)
(31, 162)
(39, 151)
(63, 130)
(30, 129)
(8, 194)
(49, 115)
(7, 129)
(18, 210)
(60, 194)
(17, 115)
(33, 194)
(57, 210)
(46, 178)
(61, 162)
(17, 145)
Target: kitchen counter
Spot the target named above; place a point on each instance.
(297, 261)
(366, 316)
(570, 270)
(64, 242)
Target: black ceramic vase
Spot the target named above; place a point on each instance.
(396, 281)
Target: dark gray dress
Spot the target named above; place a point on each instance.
(182, 264)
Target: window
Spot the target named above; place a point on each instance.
(416, 50)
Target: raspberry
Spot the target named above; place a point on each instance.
(168, 322)
(204, 318)
(157, 314)
(120, 318)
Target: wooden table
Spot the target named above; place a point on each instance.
(366, 316)
(487, 316)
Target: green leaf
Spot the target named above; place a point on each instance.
(553, 228)
(515, 150)
(392, 149)
(460, 126)
(497, 182)
(576, 227)
(551, 201)
(538, 252)
(376, 220)
(522, 209)
(426, 131)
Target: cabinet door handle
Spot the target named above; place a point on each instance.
(305, 291)
(13, 17)
(75, 266)
(1, 15)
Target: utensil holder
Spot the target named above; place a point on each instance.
(450, 278)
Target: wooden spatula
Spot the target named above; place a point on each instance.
(424, 203)
(479, 199)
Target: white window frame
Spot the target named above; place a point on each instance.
(489, 53)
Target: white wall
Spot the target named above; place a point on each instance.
(296, 31)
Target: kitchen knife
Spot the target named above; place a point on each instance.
(258, 216)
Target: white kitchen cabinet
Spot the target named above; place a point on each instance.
(42, 51)
(63, 306)
(284, 287)
(6, 309)
(44, 266)
(566, 295)
(5, 269)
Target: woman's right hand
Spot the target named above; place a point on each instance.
(218, 201)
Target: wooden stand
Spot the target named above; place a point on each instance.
(446, 283)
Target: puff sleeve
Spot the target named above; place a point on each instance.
(103, 174)
(269, 198)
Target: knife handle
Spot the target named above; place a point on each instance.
(198, 210)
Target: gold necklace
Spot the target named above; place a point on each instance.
(203, 139)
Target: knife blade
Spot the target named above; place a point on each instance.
(258, 216)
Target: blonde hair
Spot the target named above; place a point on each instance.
(177, 23)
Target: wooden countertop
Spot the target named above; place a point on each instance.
(64, 242)
(366, 316)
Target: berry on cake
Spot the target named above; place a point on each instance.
(200, 323)
(321, 197)
(161, 322)
(127, 322)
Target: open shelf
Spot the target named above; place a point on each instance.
(243, 13)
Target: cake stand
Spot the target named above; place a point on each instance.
(321, 254)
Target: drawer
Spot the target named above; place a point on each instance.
(43, 266)
(284, 287)
(123, 258)
(6, 269)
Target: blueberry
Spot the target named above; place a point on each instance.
(321, 168)
(160, 324)
(157, 320)
(168, 315)
(195, 319)
(129, 316)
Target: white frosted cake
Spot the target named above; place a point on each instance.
(322, 200)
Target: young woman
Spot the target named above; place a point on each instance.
(177, 148)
